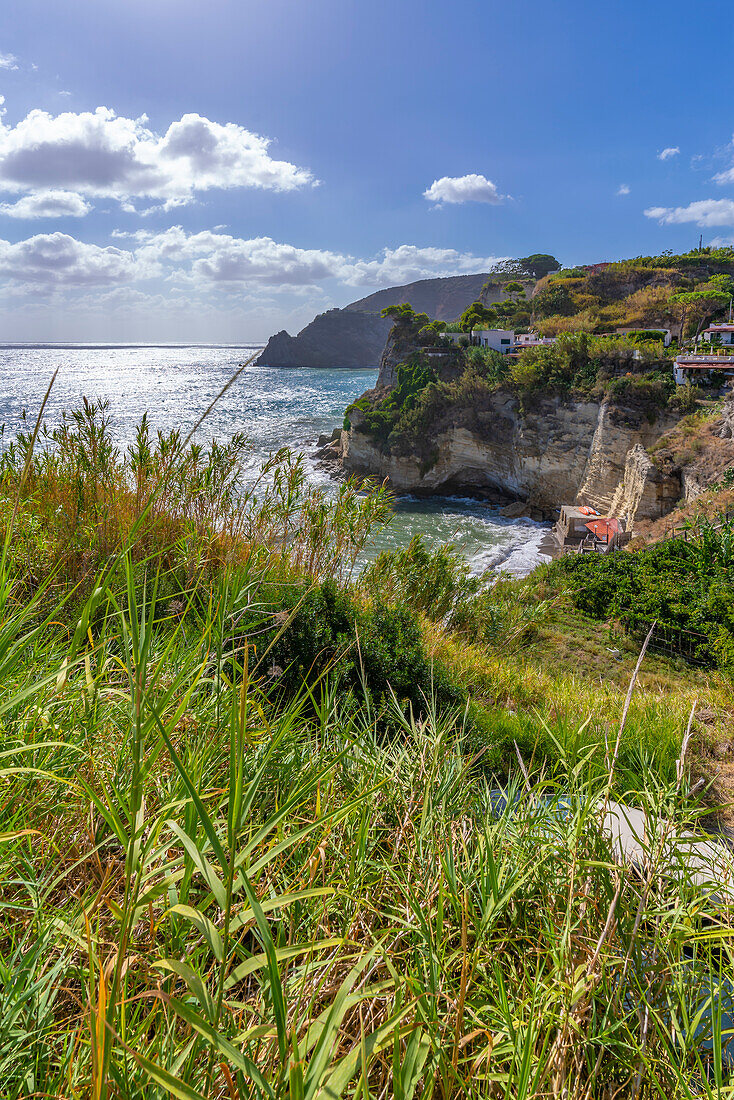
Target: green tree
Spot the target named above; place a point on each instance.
(722, 283)
(405, 313)
(515, 289)
(432, 333)
(553, 299)
(477, 316)
(539, 264)
(695, 307)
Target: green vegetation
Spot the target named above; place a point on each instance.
(413, 377)
(683, 585)
(249, 845)
(375, 648)
(677, 292)
(713, 257)
(585, 364)
(577, 365)
(417, 326)
(539, 264)
(477, 316)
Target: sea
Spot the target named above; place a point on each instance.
(274, 407)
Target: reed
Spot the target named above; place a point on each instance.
(210, 888)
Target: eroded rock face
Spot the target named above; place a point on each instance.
(644, 492)
(400, 345)
(726, 428)
(551, 453)
(620, 478)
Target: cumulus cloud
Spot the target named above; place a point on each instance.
(212, 261)
(704, 213)
(623, 189)
(101, 154)
(668, 152)
(47, 204)
(458, 189)
(727, 176)
(8, 61)
(409, 262)
(57, 259)
(215, 257)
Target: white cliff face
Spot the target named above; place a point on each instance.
(644, 492)
(618, 459)
(547, 454)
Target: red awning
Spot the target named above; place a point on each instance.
(603, 529)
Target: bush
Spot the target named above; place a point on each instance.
(381, 648)
(554, 298)
(682, 585)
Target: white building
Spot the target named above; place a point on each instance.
(532, 340)
(719, 334)
(501, 339)
(695, 368)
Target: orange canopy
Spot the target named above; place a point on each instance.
(603, 528)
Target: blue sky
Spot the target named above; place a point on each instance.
(218, 170)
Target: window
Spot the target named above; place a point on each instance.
(503, 341)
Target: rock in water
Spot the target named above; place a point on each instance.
(355, 336)
(339, 338)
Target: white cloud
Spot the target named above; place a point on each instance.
(409, 262)
(457, 189)
(668, 152)
(99, 154)
(212, 263)
(727, 176)
(8, 61)
(47, 204)
(623, 189)
(218, 258)
(704, 213)
(56, 259)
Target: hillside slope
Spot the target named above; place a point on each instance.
(682, 293)
(355, 335)
(442, 299)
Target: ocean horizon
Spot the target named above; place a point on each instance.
(274, 406)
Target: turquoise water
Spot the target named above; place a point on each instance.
(274, 407)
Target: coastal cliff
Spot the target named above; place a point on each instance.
(550, 452)
(573, 423)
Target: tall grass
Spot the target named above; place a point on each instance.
(81, 501)
(212, 889)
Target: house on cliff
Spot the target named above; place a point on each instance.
(719, 334)
(505, 341)
(695, 367)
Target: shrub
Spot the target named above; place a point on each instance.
(682, 585)
(377, 646)
(432, 581)
(554, 298)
